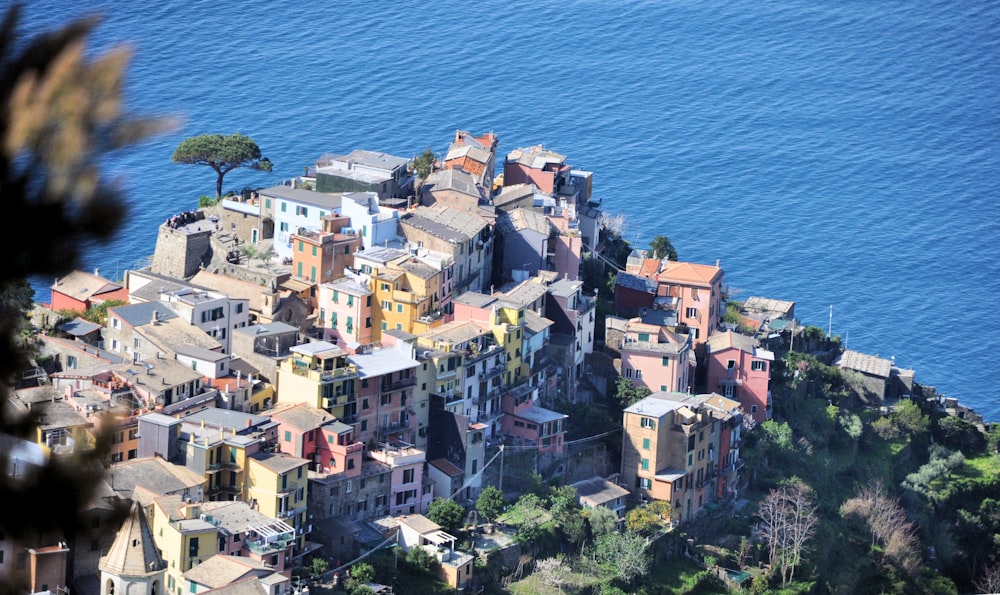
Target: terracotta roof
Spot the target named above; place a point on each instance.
(689, 273)
(446, 467)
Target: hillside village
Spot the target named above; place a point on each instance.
(301, 371)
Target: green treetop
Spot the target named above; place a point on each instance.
(221, 153)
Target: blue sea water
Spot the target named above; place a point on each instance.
(842, 155)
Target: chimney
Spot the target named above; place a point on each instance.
(156, 317)
(97, 272)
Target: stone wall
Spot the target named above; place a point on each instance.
(180, 252)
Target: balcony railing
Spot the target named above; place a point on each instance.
(263, 546)
(394, 427)
(398, 383)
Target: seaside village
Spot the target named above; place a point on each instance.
(299, 371)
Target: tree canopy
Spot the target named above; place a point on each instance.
(221, 153)
(447, 513)
(423, 165)
(660, 247)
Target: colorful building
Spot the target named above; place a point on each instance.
(738, 368)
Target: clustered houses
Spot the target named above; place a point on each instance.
(348, 345)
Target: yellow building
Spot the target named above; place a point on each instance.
(279, 485)
(508, 330)
(319, 375)
(184, 536)
(407, 296)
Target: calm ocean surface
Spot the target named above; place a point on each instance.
(831, 153)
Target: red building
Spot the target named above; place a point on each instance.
(80, 291)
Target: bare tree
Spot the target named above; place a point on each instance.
(990, 581)
(788, 522)
(553, 572)
(887, 523)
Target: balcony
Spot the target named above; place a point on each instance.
(262, 546)
(493, 372)
(389, 385)
(394, 427)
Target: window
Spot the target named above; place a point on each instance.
(302, 246)
(399, 308)
(288, 436)
(758, 365)
(645, 483)
(647, 422)
(349, 486)
(386, 305)
(753, 409)
(408, 475)
(284, 206)
(728, 390)
(644, 464)
(336, 296)
(645, 443)
(644, 337)
(691, 312)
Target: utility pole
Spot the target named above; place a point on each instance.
(501, 469)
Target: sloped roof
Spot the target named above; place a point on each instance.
(599, 490)
(454, 219)
(221, 570)
(864, 363)
(307, 197)
(635, 282)
(302, 416)
(134, 552)
(234, 288)
(454, 179)
(688, 273)
(83, 286)
(154, 474)
(521, 219)
(535, 157)
(733, 340)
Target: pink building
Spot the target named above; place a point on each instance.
(657, 358)
(694, 292)
(536, 165)
(740, 370)
(408, 493)
(314, 434)
(345, 312)
(385, 406)
(526, 421)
